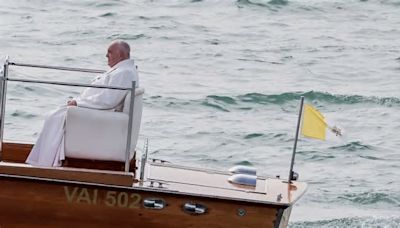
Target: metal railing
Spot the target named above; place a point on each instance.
(58, 68)
(3, 91)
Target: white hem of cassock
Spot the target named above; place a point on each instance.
(49, 148)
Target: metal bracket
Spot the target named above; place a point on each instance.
(152, 203)
(160, 184)
(194, 208)
(154, 160)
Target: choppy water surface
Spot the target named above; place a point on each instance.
(223, 81)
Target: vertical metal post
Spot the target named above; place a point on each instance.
(3, 88)
(295, 140)
(129, 135)
(144, 159)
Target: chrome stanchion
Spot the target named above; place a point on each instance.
(3, 103)
(129, 135)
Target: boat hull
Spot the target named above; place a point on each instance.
(48, 203)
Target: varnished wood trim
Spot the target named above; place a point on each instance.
(95, 164)
(18, 152)
(70, 174)
(15, 152)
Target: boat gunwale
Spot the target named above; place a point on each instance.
(142, 188)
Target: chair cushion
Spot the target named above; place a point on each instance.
(100, 134)
(95, 134)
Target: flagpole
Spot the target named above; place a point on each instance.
(295, 140)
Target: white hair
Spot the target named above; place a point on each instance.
(123, 47)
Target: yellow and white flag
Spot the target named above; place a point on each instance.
(314, 124)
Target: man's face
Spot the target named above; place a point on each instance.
(113, 55)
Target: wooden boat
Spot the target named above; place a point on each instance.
(86, 193)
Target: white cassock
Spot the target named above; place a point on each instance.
(49, 147)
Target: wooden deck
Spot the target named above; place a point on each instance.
(215, 184)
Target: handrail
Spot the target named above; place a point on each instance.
(65, 83)
(58, 68)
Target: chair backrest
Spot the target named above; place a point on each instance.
(138, 93)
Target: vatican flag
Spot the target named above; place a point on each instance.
(313, 125)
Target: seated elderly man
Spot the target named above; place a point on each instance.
(49, 147)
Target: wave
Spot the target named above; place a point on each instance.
(253, 135)
(319, 157)
(219, 102)
(105, 4)
(368, 198)
(246, 163)
(216, 106)
(390, 2)
(247, 101)
(352, 146)
(310, 96)
(109, 14)
(23, 114)
(263, 3)
(275, 5)
(350, 222)
(315, 96)
(127, 36)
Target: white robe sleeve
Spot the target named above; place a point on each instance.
(107, 98)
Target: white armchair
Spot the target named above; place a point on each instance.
(101, 135)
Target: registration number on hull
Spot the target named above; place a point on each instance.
(97, 197)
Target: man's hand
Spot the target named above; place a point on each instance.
(72, 103)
